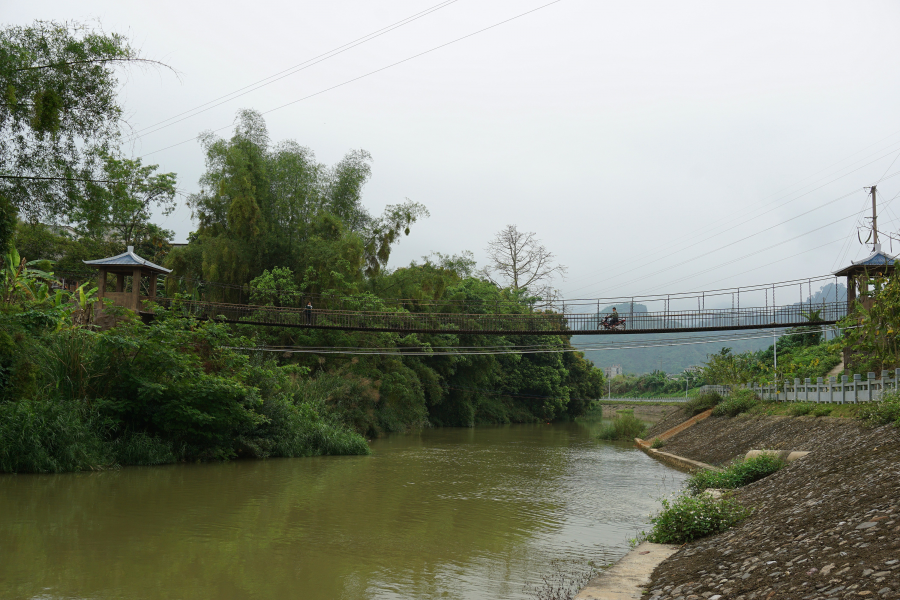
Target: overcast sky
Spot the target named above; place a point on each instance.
(619, 132)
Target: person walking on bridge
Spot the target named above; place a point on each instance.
(309, 312)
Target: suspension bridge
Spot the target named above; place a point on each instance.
(534, 323)
(753, 307)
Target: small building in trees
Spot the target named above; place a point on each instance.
(862, 276)
(133, 276)
(863, 283)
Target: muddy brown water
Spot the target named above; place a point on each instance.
(445, 513)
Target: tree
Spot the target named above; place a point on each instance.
(523, 262)
(120, 207)
(59, 107)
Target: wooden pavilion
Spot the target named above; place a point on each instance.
(129, 270)
(861, 275)
(862, 284)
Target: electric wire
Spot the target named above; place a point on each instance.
(158, 126)
(741, 219)
(370, 73)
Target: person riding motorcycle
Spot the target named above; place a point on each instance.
(612, 319)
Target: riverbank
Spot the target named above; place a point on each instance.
(825, 526)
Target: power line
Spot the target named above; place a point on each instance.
(741, 220)
(379, 70)
(291, 70)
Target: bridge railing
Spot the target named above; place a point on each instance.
(843, 390)
(532, 323)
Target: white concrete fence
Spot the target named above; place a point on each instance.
(845, 391)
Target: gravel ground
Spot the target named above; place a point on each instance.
(825, 527)
(718, 440)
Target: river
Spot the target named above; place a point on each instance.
(445, 513)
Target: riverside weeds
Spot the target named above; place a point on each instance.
(687, 518)
(740, 401)
(735, 475)
(561, 582)
(884, 412)
(701, 403)
(624, 427)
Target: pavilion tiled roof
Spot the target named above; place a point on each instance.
(877, 258)
(127, 259)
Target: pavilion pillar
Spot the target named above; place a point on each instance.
(101, 284)
(120, 282)
(136, 290)
(851, 292)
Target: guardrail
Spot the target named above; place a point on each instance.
(846, 391)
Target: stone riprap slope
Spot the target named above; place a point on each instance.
(719, 440)
(825, 527)
(675, 417)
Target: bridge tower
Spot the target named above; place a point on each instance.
(128, 267)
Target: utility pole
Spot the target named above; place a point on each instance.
(874, 218)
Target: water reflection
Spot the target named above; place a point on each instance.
(448, 513)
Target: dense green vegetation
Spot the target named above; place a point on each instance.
(687, 518)
(275, 228)
(624, 427)
(701, 403)
(656, 384)
(735, 475)
(802, 352)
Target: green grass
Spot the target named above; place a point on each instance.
(884, 412)
(50, 436)
(740, 401)
(701, 403)
(624, 427)
(657, 443)
(735, 475)
(800, 409)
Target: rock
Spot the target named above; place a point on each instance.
(881, 574)
(867, 572)
(827, 568)
(866, 525)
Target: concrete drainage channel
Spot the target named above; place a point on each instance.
(628, 578)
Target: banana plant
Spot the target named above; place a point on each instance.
(22, 280)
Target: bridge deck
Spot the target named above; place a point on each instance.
(536, 323)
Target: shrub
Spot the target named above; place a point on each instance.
(143, 449)
(703, 402)
(50, 436)
(821, 410)
(884, 412)
(737, 474)
(657, 443)
(688, 518)
(624, 427)
(809, 408)
(738, 402)
(799, 409)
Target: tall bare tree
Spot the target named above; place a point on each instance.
(521, 262)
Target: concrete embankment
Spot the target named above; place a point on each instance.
(627, 579)
(826, 526)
